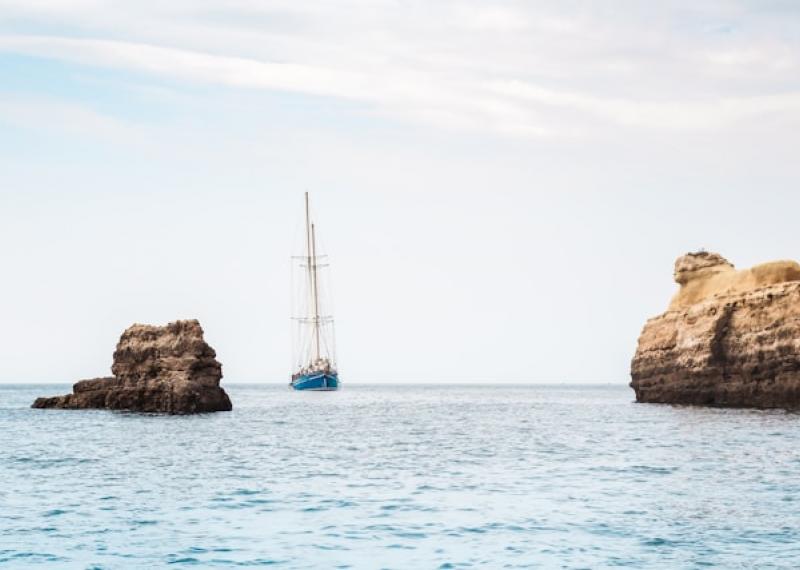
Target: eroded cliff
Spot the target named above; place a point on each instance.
(729, 338)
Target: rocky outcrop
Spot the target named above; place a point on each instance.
(729, 338)
(168, 369)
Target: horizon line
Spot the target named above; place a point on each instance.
(372, 383)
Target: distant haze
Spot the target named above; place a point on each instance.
(502, 188)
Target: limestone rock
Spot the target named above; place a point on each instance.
(703, 275)
(168, 369)
(729, 338)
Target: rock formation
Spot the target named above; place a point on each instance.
(729, 338)
(168, 369)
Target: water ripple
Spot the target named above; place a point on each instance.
(412, 477)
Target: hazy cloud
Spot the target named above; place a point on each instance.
(541, 70)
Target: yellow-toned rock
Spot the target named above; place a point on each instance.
(704, 275)
(729, 338)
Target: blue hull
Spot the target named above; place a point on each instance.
(318, 382)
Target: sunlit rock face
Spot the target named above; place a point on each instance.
(168, 369)
(728, 338)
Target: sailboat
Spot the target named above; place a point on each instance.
(314, 339)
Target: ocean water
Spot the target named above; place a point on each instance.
(400, 477)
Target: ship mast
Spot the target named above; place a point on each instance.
(316, 292)
(311, 255)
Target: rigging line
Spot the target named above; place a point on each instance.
(316, 293)
(309, 253)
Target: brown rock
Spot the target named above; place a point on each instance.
(168, 369)
(729, 338)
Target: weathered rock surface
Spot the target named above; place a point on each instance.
(168, 369)
(729, 338)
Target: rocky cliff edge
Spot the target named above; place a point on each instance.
(728, 338)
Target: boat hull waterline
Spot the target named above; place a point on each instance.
(320, 382)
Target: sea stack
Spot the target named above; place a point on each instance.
(165, 369)
(729, 338)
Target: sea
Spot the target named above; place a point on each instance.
(401, 477)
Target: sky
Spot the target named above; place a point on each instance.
(502, 187)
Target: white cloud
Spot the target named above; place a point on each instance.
(666, 115)
(400, 92)
(189, 65)
(544, 70)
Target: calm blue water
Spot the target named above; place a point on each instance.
(415, 477)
